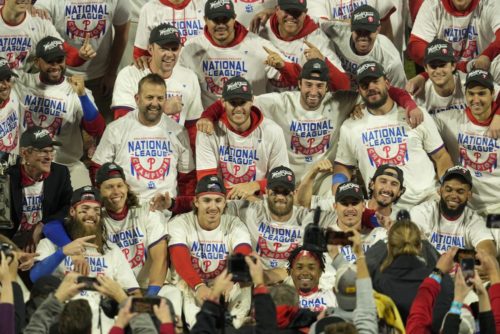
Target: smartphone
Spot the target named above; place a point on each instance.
(89, 282)
(493, 221)
(144, 304)
(338, 238)
(237, 266)
(463, 253)
(467, 265)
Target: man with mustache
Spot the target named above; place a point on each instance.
(105, 260)
(449, 222)
(361, 41)
(227, 49)
(200, 243)
(276, 225)
(70, 106)
(152, 148)
(382, 136)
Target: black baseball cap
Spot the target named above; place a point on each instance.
(315, 66)
(300, 5)
(439, 50)
(480, 77)
(50, 48)
(210, 184)
(389, 170)
(348, 190)
(281, 176)
(365, 18)
(5, 70)
(109, 170)
(369, 69)
(237, 88)
(37, 137)
(457, 171)
(164, 33)
(219, 8)
(87, 193)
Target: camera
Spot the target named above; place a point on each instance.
(493, 221)
(339, 238)
(89, 282)
(237, 266)
(8, 251)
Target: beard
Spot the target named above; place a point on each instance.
(377, 104)
(451, 213)
(279, 211)
(77, 229)
(46, 77)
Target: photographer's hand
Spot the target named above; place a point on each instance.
(110, 288)
(68, 287)
(124, 315)
(256, 268)
(221, 284)
(162, 312)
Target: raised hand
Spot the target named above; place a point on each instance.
(274, 59)
(87, 52)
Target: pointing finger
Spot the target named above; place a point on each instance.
(309, 44)
(87, 39)
(268, 50)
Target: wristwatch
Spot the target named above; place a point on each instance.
(437, 271)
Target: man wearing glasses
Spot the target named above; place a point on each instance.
(40, 189)
(60, 104)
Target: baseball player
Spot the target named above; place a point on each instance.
(105, 24)
(86, 230)
(382, 136)
(227, 49)
(152, 148)
(21, 32)
(276, 225)
(464, 131)
(305, 268)
(183, 90)
(342, 10)
(360, 41)
(60, 104)
(449, 222)
(470, 26)
(299, 38)
(185, 15)
(244, 147)
(200, 242)
(10, 110)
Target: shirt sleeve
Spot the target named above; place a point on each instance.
(105, 151)
(426, 23)
(185, 162)
(206, 156)
(143, 31)
(124, 91)
(122, 13)
(477, 231)
(45, 248)
(431, 140)
(239, 233)
(156, 227)
(194, 106)
(279, 152)
(345, 154)
(178, 229)
(422, 217)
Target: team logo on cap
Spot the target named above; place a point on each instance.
(317, 66)
(371, 66)
(168, 31)
(112, 166)
(364, 15)
(87, 188)
(282, 173)
(51, 45)
(476, 73)
(236, 85)
(41, 133)
(458, 168)
(348, 186)
(438, 47)
(220, 3)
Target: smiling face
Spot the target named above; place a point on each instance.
(349, 213)
(87, 213)
(210, 208)
(440, 72)
(280, 201)
(5, 88)
(150, 101)
(455, 193)
(364, 41)
(385, 190)
(164, 57)
(305, 273)
(221, 29)
(238, 112)
(17, 6)
(312, 93)
(114, 194)
(290, 21)
(52, 72)
(38, 160)
(479, 100)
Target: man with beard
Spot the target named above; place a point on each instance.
(449, 222)
(382, 136)
(245, 146)
(40, 190)
(153, 148)
(60, 104)
(200, 243)
(360, 41)
(86, 231)
(276, 226)
(10, 110)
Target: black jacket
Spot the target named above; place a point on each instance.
(56, 201)
(401, 281)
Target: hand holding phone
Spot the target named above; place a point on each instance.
(467, 266)
(144, 304)
(338, 238)
(89, 282)
(493, 221)
(238, 267)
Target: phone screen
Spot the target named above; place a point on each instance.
(239, 269)
(144, 305)
(89, 282)
(338, 238)
(467, 265)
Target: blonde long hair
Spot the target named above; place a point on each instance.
(403, 239)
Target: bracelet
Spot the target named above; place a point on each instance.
(435, 277)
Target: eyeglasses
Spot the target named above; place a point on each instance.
(44, 152)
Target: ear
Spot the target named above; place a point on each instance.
(72, 211)
(402, 191)
(370, 185)
(150, 48)
(136, 97)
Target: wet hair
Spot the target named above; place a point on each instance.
(293, 255)
(284, 294)
(76, 318)
(404, 238)
(151, 78)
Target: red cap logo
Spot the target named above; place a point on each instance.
(228, 6)
(370, 19)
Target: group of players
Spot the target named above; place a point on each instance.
(223, 139)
